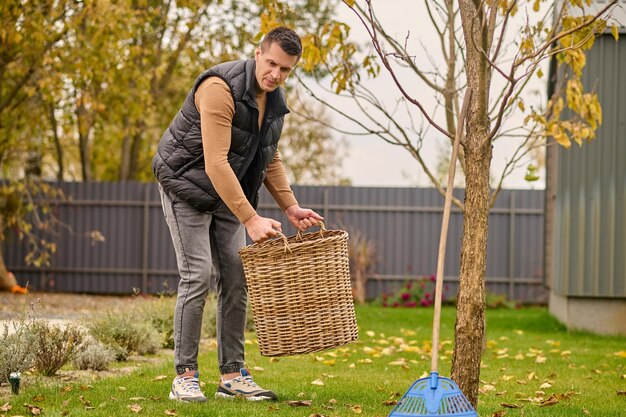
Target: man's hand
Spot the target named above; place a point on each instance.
(301, 218)
(261, 228)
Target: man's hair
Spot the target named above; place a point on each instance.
(287, 39)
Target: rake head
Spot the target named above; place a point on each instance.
(433, 396)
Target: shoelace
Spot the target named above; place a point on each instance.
(247, 380)
(190, 383)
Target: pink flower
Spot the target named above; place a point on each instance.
(395, 304)
(425, 303)
(406, 296)
(427, 295)
(433, 278)
(410, 304)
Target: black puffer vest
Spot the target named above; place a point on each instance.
(179, 162)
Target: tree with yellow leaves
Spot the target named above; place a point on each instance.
(479, 54)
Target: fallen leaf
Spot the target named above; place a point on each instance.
(84, 401)
(317, 415)
(621, 354)
(390, 402)
(510, 405)
(486, 388)
(552, 400)
(621, 393)
(6, 407)
(258, 369)
(317, 382)
(38, 398)
(370, 333)
(136, 398)
(499, 413)
(356, 409)
(135, 408)
(36, 411)
(160, 377)
(545, 385)
(170, 413)
(301, 403)
(586, 412)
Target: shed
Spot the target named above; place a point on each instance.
(585, 230)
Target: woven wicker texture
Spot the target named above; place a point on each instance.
(300, 292)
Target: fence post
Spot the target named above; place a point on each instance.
(146, 236)
(512, 246)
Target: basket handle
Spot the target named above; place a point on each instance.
(285, 241)
(322, 230)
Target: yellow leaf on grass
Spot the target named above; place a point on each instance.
(621, 354)
(545, 385)
(170, 413)
(258, 369)
(317, 382)
(370, 333)
(357, 409)
(6, 407)
(135, 408)
(160, 377)
(330, 362)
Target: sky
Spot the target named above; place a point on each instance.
(373, 162)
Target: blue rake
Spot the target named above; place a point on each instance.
(435, 395)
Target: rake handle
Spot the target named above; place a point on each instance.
(441, 256)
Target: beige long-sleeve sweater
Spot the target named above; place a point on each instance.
(215, 104)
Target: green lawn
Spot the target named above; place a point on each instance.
(528, 353)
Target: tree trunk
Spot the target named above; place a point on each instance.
(470, 321)
(84, 128)
(57, 142)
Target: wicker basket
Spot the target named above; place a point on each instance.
(300, 292)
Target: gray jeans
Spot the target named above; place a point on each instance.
(207, 245)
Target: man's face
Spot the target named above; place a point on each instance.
(273, 66)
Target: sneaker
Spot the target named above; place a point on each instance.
(243, 386)
(186, 387)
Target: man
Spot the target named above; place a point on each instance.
(210, 164)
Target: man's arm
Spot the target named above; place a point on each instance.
(215, 104)
(278, 185)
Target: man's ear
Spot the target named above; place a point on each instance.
(257, 53)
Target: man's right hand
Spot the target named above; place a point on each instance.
(261, 228)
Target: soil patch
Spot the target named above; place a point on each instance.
(61, 306)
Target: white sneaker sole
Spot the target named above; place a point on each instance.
(234, 397)
(187, 399)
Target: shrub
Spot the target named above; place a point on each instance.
(93, 355)
(16, 348)
(54, 346)
(416, 292)
(125, 333)
(160, 312)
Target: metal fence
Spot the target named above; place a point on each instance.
(402, 224)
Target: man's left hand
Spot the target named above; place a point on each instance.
(302, 218)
